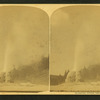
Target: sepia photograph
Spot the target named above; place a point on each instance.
(24, 49)
(75, 49)
(49, 49)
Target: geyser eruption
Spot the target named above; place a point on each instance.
(7, 78)
(8, 50)
(87, 49)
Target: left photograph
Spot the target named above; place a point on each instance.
(24, 49)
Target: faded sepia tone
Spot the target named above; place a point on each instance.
(68, 34)
(24, 59)
(75, 49)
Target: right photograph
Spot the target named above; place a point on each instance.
(75, 49)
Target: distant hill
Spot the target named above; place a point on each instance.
(58, 79)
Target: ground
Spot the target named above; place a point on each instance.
(23, 87)
(77, 87)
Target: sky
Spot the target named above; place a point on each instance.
(74, 37)
(23, 36)
(75, 33)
